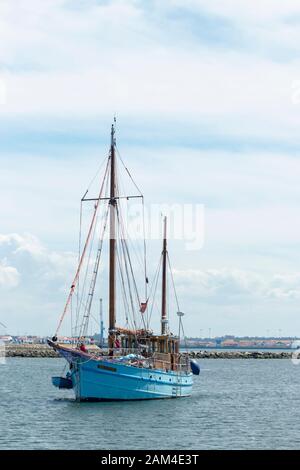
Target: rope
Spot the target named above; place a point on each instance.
(78, 284)
(175, 293)
(145, 251)
(155, 282)
(125, 300)
(85, 322)
(105, 218)
(82, 255)
(128, 172)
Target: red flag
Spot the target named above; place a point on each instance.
(143, 306)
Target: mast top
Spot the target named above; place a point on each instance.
(113, 131)
(165, 231)
(113, 140)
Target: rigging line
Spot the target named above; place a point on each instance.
(127, 236)
(88, 263)
(83, 254)
(129, 286)
(184, 337)
(78, 284)
(123, 234)
(101, 230)
(157, 271)
(95, 176)
(145, 250)
(119, 155)
(71, 306)
(94, 279)
(123, 240)
(155, 288)
(85, 275)
(132, 323)
(140, 258)
(172, 277)
(132, 273)
(95, 319)
(126, 258)
(135, 251)
(134, 281)
(86, 270)
(124, 296)
(128, 317)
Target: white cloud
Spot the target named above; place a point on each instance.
(37, 261)
(247, 11)
(9, 276)
(23, 243)
(41, 277)
(232, 285)
(86, 60)
(128, 66)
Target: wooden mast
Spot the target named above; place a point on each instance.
(112, 243)
(164, 320)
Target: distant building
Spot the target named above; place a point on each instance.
(6, 338)
(229, 343)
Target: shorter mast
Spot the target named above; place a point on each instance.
(164, 321)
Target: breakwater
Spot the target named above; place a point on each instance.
(240, 354)
(43, 350)
(29, 350)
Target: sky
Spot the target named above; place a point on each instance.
(207, 99)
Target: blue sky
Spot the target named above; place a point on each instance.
(208, 112)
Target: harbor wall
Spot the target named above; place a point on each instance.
(43, 350)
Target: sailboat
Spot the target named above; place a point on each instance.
(137, 364)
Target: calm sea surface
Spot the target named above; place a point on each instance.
(236, 404)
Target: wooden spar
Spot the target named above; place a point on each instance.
(112, 243)
(127, 331)
(164, 282)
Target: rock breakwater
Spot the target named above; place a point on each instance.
(43, 350)
(240, 354)
(29, 350)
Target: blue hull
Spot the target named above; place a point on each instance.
(105, 380)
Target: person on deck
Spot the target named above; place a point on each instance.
(82, 347)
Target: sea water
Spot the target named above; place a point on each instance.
(236, 404)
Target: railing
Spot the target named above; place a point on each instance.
(162, 361)
(175, 362)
